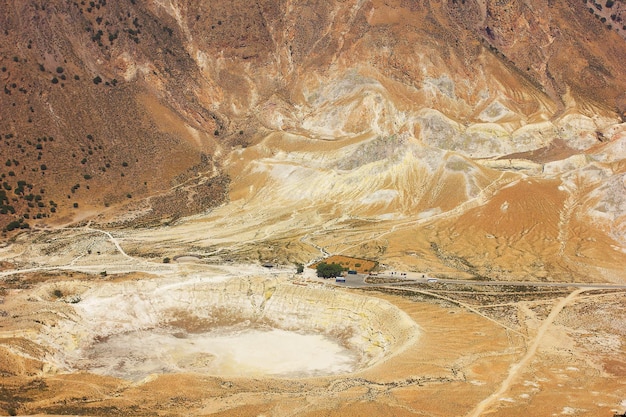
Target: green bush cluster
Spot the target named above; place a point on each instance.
(325, 270)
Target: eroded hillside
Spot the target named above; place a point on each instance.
(474, 137)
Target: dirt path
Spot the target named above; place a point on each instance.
(464, 305)
(138, 263)
(113, 240)
(518, 368)
(482, 4)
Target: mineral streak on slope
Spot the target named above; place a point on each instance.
(397, 133)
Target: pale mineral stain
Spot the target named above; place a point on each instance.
(233, 351)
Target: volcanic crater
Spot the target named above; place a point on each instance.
(246, 327)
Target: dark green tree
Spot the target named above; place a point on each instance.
(325, 270)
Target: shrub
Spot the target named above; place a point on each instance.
(166, 260)
(97, 80)
(12, 226)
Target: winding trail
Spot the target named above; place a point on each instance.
(518, 368)
(464, 305)
(72, 264)
(113, 240)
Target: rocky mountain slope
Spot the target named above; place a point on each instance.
(471, 137)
